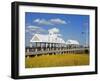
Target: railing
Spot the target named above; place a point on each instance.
(72, 50)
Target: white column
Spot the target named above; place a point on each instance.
(27, 50)
(41, 46)
(36, 47)
(46, 46)
(30, 44)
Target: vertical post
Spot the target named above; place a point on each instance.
(53, 45)
(49, 46)
(46, 45)
(36, 47)
(41, 46)
(27, 49)
(56, 46)
(30, 44)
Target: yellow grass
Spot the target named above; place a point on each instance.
(57, 60)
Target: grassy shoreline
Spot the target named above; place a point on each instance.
(57, 60)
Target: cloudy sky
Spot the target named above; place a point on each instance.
(74, 27)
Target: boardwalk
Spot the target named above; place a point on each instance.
(73, 50)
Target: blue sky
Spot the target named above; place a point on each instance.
(70, 26)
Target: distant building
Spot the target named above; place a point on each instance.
(72, 42)
(50, 40)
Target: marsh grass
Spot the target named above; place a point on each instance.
(57, 60)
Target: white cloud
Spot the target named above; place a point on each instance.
(35, 29)
(58, 21)
(50, 22)
(54, 30)
(32, 27)
(42, 21)
(37, 20)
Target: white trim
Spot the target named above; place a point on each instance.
(33, 38)
(36, 71)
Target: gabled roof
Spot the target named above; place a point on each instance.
(46, 38)
(41, 38)
(72, 42)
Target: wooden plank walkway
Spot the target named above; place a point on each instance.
(55, 51)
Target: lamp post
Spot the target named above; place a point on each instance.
(86, 34)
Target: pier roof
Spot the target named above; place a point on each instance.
(46, 38)
(75, 42)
